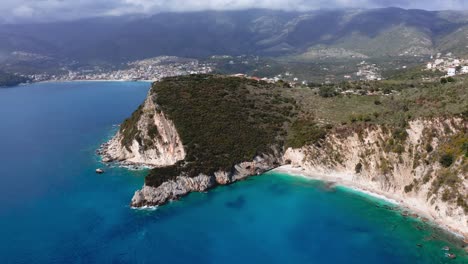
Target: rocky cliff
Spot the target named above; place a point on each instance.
(423, 165)
(227, 129)
(148, 138)
(182, 185)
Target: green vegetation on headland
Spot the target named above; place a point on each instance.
(222, 121)
(226, 120)
(8, 80)
(387, 102)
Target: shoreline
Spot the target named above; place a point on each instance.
(97, 80)
(71, 81)
(414, 210)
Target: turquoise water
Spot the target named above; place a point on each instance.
(55, 209)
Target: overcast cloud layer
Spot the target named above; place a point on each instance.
(49, 10)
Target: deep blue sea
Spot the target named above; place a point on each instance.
(55, 209)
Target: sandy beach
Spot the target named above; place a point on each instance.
(416, 209)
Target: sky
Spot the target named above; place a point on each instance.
(17, 11)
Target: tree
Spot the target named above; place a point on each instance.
(327, 91)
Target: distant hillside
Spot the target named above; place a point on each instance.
(7, 80)
(376, 33)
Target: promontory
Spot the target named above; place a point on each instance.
(404, 137)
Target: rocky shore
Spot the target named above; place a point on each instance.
(174, 189)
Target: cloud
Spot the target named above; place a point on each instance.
(45, 10)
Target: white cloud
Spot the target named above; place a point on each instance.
(23, 11)
(40, 10)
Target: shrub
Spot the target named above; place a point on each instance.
(443, 80)
(446, 160)
(429, 148)
(152, 130)
(464, 148)
(327, 91)
(409, 188)
(400, 134)
(305, 132)
(358, 168)
(129, 128)
(387, 91)
(445, 178)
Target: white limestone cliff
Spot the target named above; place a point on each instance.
(388, 173)
(164, 148)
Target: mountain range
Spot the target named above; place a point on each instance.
(384, 32)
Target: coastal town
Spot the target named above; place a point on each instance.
(152, 69)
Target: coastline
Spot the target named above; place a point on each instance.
(97, 80)
(340, 180)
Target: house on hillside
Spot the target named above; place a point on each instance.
(438, 61)
(451, 72)
(464, 69)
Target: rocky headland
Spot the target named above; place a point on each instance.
(422, 165)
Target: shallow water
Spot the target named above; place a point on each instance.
(55, 209)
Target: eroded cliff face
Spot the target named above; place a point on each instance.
(402, 163)
(149, 138)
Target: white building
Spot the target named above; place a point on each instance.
(464, 69)
(451, 72)
(429, 66)
(438, 61)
